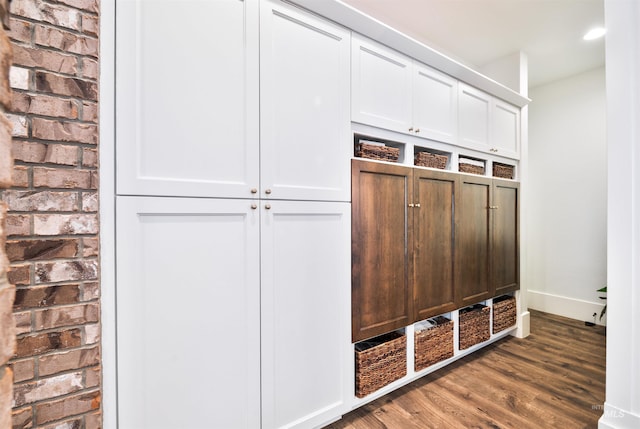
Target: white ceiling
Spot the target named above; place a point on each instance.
(477, 32)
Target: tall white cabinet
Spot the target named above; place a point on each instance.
(232, 215)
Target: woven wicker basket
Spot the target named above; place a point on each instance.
(504, 313)
(380, 362)
(463, 167)
(434, 344)
(383, 153)
(503, 170)
(433, 160)
(474, 325)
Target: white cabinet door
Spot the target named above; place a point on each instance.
(473, 116)
(187, 98)
(305, 124)
(380, 86)
(435, 104)
(307, 359)
(505, 131)
(188, 313)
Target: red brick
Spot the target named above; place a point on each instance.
(19, 30)
(90, 202)
(22, 418)
(90, 291)
(45, 105)
(32, 345)
(27, 250)
(23, 370)
(89, 111)
(6, 159)
(45, 12)
(62, 155)
(47, 388)
(22, 322)
(56, 84)
(65, 224)
(5, 66)
(6, 382)
(73, 423)
(19, 125)
(49, 60)
(92, 376)
(26, 151)
(20, 176)
(72, 405)
(19, 78)
(61, 178)
(89, 157)
(66, 316)
(47, 129)
(95, 180)
(90, 25)
(90, 247)
(92, 334)
(66, 41)
(88, 5)
(46, 296)
(41, 201)
(18, 224)
(90, 68)
(19, 274)
(53, 272)
(7, 321)
(65, 361)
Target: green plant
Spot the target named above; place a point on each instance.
(604, 310)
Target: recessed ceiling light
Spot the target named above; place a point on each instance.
(594, 33)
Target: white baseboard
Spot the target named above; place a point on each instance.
(564, 306)
(616, 418)
(524, 325)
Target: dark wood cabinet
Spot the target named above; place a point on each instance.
(426, 242)
(433, 235)
(380, 248)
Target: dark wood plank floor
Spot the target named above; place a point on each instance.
(555, 378)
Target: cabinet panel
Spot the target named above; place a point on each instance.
(307, 359)
(474, 240)
(434, 243)
(381, 86)
(435, 104)
(187, 101)
(506, 244)
(505, 132)
(380, 286)
(187, 291)
(305, 121)
(473, 117)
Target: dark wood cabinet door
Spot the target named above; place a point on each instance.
(473, 256)
(433, 235)
(506, 243)
(380, 248)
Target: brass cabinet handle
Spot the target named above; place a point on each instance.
(493, 207)
(411, 205)
(418, 205)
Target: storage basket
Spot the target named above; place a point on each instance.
(474, 325)
(470, 166)
(434, 344)
(379, 152)
(433, 160)
(379, 362)
(504, 313)
(504, 171)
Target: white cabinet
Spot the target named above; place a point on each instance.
(188, 313)
(305, 141)
(380, 86)
(391, 91)
(487, 123)
(187, 99)
(307, 360)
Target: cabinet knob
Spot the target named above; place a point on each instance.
(411, 205)
(418, 205)
(493, 207)
(267, 206)
(267, 191)
(417, 130)
(254, 206)
(411, 129)
(254, 190)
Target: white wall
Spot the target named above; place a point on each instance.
(567, 196)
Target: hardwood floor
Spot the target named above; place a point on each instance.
(555, 378)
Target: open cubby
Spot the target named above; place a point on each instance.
(424, 157)
(378, 149)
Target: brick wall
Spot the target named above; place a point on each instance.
(52, 219)
(7, 290)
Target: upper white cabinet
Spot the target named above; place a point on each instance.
(488, 124)
(187, 101)
(380, 86)
(307, 358)
(304, 93)
(391, 91)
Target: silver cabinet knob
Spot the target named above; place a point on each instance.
(267, 206)
(267, 191)
(254, 190)
(254, 206)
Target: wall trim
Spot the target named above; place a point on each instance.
(616, 418)
(565, 306)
